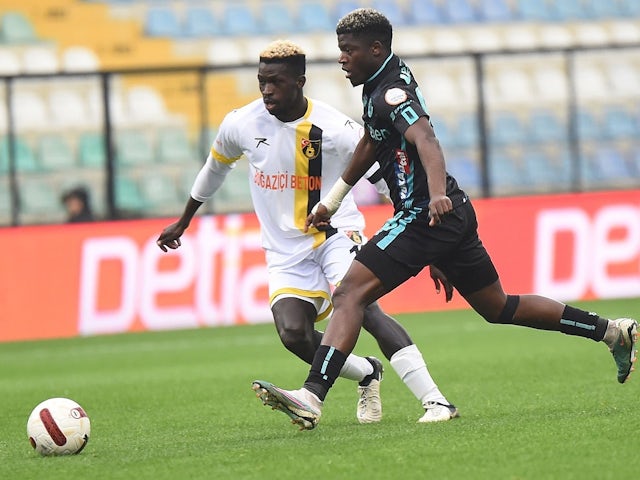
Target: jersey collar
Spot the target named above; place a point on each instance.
(384, 64)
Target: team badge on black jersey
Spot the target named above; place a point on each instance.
(311, 148)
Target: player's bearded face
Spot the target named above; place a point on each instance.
(281, 90)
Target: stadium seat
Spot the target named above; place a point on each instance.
(79, 58)
(39, 201)
(603, 10)
(238, 19)
(159, 191)
(544, 171)
(314, 17)
(546, 127)
(460, 11)
(498, 11)
(127, 193)
(25, 158)
(276, 18)
(40, 59)
(5, 201)
(343, 7)
(588, 126)
(466, 132)
(67, 108)
(466, 171)
(608, 167)
(506, 173)
(505, 129)
(134, 148)
(55, 153)
(619, 124)
(174, 147)
(91, 151)
(162, 22)
(392, 10)
(533, 10)
(426, 12)
(145, 105)
(629, 8)
(9, 62)
(571, 10)
(29, 111)
(15, 27)
(201, 22)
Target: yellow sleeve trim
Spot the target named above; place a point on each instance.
(221, 158)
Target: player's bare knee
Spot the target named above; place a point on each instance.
(507, 313)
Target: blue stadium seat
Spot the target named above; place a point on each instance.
(466, 132)
(276, 18)
(570, 10)
(200, 22)
(608, 166)
(605, 9)
(466, 171)
(162, 22)
(343, 7)
(619, 124)
(495, 11)
(314, 16)
(426, 12)
(505, 172)
(507, 129)
(546, 127)
(534, 10)
(588, 126)
(629, 8)
(392, 10)
(544, 169)
(238, 19)
(460, 11)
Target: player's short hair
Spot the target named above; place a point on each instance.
(368, 23)
(285, 51)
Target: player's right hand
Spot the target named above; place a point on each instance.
(319, 218)
(170, 237)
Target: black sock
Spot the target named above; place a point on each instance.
(325, 368)
(583, 324)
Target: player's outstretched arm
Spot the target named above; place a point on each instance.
(364, 156)
(170, 236)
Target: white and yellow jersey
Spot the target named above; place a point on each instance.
(292, 165)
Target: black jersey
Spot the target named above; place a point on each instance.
(393, 102)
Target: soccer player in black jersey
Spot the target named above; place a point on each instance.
(434, 223)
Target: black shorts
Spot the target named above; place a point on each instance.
(406, 244)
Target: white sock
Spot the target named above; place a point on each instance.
(411, 368)
(611, 333)
(356, 368)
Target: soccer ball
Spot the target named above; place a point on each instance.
(58, 426)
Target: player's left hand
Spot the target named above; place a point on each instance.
(439, 206)
(439, 279)
(320, 219)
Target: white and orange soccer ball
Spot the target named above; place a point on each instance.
(58, 426)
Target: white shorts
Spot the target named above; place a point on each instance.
(312, 277)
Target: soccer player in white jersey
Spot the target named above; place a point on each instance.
(296, 148)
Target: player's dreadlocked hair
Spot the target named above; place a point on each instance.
(368, 23)
(284, 51)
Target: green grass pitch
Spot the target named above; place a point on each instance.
(179, 405)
